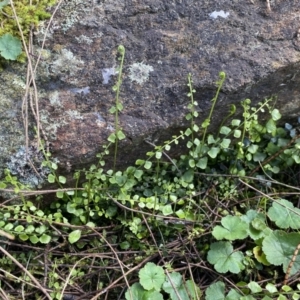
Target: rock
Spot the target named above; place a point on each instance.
(164, 40)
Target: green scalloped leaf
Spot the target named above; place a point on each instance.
(279, 248)
(186, 290)
(234, 228)
(223, 258)
(284, 214)
(10, 46)
(152, 277)
(136, 292)
(215, 291)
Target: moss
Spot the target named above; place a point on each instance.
(28, 15)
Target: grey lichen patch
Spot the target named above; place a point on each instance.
(74, 114)
(27, 166)
(65, 65)
(11, 125)
(139, 72)
(54, 99)
(50, 125)
(84, 39)
(74, 11)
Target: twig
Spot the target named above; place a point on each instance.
(268, 5)
(27, 273)
(288, 271)
(117, 280)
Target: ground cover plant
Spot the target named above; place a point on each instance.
(216, 223)
(219, 222)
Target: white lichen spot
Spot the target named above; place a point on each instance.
(43, 32)
(51, 125)
(84, 39)
(66, 63)
(20, 83)
(74, 114)
(220, 13)
(54, 98)
(107, 73)
(139, 72)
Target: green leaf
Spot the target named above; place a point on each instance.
(192, 289)
(188, 132)
(254, 287)
(121, 135)
(34, 239)
(10, 46)
(213, 152)
(202, 163)
(173, 281)
(276, 114)
(125, 245)
(2, 185)
(4, 3)
(112, 138)
(192, 163)
(138, 174)
(271, 127)
(206, 123)
(188, 176)
(271, 288)
(136, 292)
(225, 143)
(62, 179)
(257, 224)
(23, 237)
(30, 229)
(210, 139)
(279, 248)
(284, 214)
(158, 155)
(174, 285)
(167, 210)
(45, 238)
(113, 109)
(233, 295)
(19, 228)
(235, 122)
(74, 236)
(60, 194)
(253, 148)
(223, 258)
(147, 164)
(9, 227)
(233, 229)
(152, 295)
(152, 277)
(237, 133)
(225, 130)
(51, 178)
(119, 106)
(215, 291)
(259, 156)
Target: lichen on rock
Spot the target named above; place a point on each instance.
(26, 164)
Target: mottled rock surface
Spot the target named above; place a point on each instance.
(165, 40)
